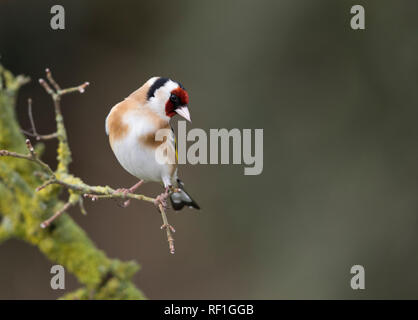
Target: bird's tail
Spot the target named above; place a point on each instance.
(181, 198)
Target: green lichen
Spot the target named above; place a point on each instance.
(22, 210)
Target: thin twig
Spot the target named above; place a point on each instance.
(32, 122)
(46, 86)
(52, 80)
(34, 132)
(66, 206)
(64, 151)
(82, 208)
(6, 153)
(168, 228)
(109, 194)
(45, 184)
(41, 137)
(81, 88)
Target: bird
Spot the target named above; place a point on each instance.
(133, 127)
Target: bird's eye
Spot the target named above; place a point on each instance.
(174, 99)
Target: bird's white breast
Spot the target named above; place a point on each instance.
(134, 156)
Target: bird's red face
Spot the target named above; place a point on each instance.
(177, 103)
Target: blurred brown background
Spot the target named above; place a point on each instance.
(339, 111)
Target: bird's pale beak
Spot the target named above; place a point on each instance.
(184, 112)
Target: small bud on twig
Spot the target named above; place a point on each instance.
(82, 87)
(30, 148)
(46, 86)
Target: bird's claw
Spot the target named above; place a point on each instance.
(124, 191)
(124, 204)
(161, 200)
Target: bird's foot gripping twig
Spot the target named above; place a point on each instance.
(125, 191)
(162, 198)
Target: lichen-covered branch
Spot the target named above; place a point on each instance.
(29, 190)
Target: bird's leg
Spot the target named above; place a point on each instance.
(130, 190)
(162, 198)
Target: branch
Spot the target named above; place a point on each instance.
(64, 151)
(31, 157)
(75, 186)
(22, 208)
(82, 189)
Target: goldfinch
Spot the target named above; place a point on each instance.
(133, 126)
